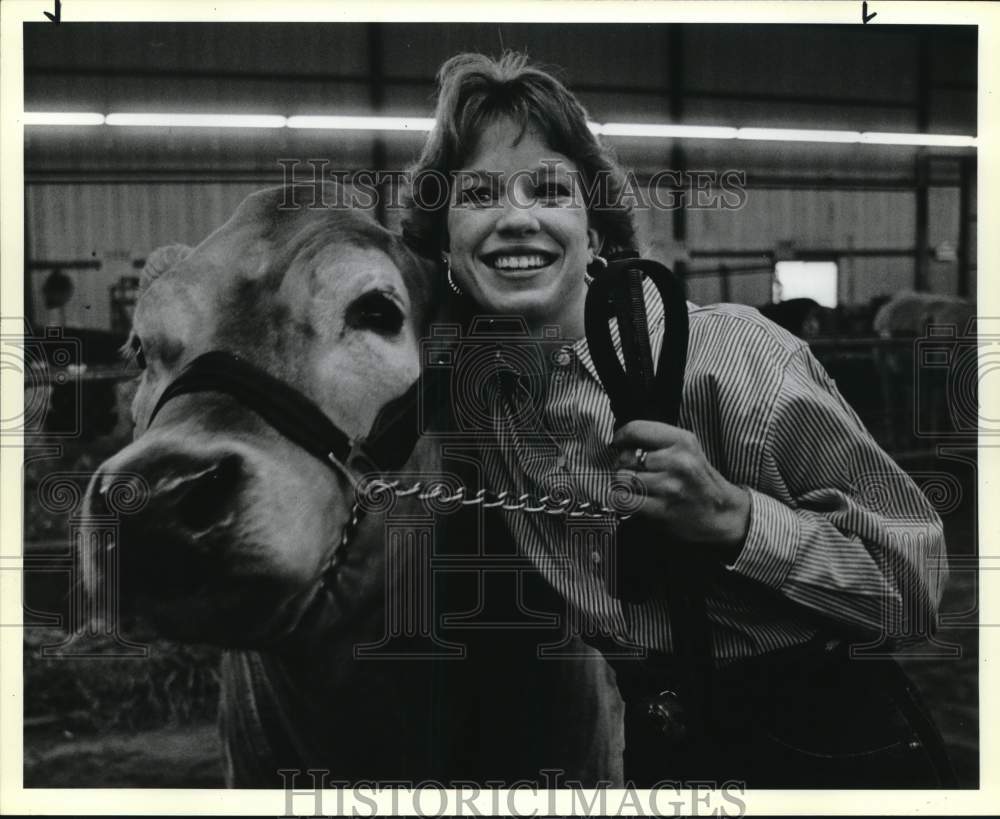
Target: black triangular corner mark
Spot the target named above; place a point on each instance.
(55, 17)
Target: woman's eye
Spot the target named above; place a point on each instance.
(375, 311)
(479, 196)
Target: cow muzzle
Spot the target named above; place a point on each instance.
(240, 533)
(222, 540)
(185, 505)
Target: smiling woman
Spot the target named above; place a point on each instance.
(510, 256)
(468, 107)
(758, 481)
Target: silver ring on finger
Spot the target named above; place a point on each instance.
(640, 457)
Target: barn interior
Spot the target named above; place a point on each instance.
(823, 174)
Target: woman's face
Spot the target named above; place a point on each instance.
(519, 241)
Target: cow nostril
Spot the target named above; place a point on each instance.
(207, 495)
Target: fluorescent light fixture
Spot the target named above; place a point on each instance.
(425, 124)
(638, 129)
(797, 135)
(421, 124)
(806, 280)
(60, 118)
(936, 140)
(196, 120)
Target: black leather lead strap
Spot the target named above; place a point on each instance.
(647, 562)
(638, 390)
(638, 396)
(630, 311)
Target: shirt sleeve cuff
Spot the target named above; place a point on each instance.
(771, 542)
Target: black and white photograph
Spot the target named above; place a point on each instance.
(533, 415)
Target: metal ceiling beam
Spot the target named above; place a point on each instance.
(376, 98)
(922, 162)
(428, 82)
(967, 170)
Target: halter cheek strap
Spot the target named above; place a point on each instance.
(296, 416)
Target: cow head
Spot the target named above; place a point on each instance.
(234, 522)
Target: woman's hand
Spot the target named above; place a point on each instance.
(685, 494)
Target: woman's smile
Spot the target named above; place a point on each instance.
(518, 263)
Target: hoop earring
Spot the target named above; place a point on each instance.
(597, 264)
(452, 284)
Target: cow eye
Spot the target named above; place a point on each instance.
(376, 311)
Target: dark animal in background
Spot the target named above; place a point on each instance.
(804, 318)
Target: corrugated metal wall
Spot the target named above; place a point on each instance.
(116, 225)
(114, 194)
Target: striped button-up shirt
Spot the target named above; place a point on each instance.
(840, 541)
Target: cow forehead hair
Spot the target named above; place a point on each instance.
(303, 231)
(288, 212)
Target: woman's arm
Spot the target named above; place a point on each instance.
(835, 525)
(831, 522)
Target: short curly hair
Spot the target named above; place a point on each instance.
(475, 91)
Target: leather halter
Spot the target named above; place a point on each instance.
(297, 417)
(387, 447)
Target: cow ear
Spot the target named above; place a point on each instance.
(160, 261)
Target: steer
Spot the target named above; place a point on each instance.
(312, 319)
